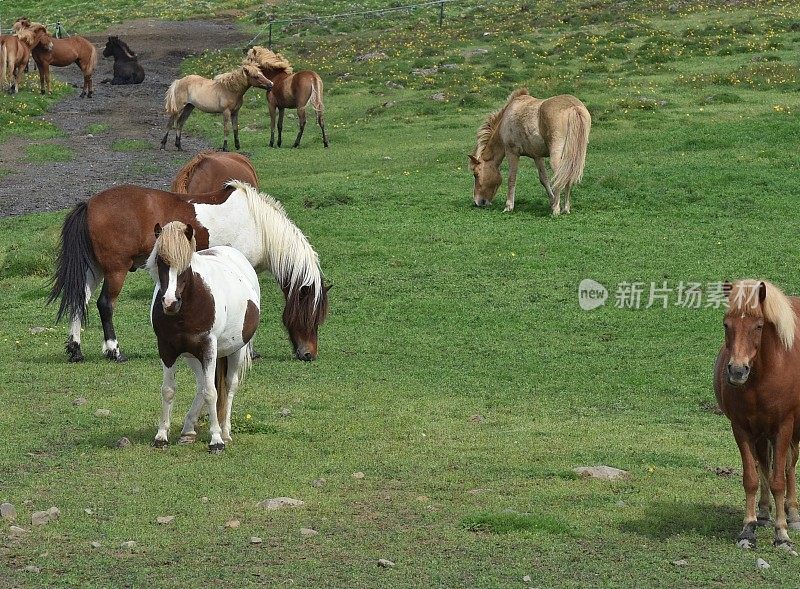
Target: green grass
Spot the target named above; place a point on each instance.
(131, 145)
(441, 312)
(48, 152)
(97, 128)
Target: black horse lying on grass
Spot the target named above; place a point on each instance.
(126, 67)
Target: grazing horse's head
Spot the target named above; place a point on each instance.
(754, 308)
(170, 262)
(303, 314)
(255, 77)
(487, 180)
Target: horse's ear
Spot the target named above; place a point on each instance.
(189, 232)
(762, 292)
(474, 160)
(727, 287)
(157, 229)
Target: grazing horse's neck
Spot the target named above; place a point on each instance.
(493, 150)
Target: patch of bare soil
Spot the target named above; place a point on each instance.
(130, 112)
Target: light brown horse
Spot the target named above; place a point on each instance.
(757, 384)
(224, 94)
(62, 52)
(209, 171)
(289, 90)
(556, 127)
(15, 51)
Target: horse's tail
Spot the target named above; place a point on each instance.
(171, 104)
(221, 383)
(316, 96)
(92, 59)
(573, 154)
(3, 67)
(75, 260)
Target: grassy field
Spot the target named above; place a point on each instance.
(457, 370)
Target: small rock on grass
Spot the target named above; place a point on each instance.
(32, 569)
(232, 524)
(285, 412)
(762, 564)
(358, 475)
(80, 401)
(16, 531)
(680, 563)
(318, 482)
(280, 503)
(606, 473)
(102, 413)
(96, 544)
(385, 563)
(165, 519)
(129, 545)
(39, 518)
(308, 532)
(123, 443)
(255, 540)
(526, 579)
(8, 512)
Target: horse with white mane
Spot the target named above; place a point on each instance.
(205, 308)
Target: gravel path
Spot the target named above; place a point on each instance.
(131, 112)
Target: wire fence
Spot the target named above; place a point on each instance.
(60, 31)
(273, 24)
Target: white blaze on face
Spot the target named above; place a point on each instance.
(169, 292)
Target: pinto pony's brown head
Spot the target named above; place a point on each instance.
(304, 312)
(170, 262)
(754, 308)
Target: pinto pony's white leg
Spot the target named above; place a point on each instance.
(74, 339)
(167, 396)
(238, 362)
(189, 433)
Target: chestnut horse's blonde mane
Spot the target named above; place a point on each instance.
(235, 80)
(489, 126)
(27, 31)
(776, 308)
(173, 247)
(266, 59)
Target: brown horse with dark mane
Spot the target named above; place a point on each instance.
(289, 90)
(757, 384)
(63, 52)
(211, 170)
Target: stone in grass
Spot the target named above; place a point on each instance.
(680, 563)
(8, 512)
(602, 472)
(526, 579)
(358, 475)
(308, 532)
(16, 532)
(95, 544)
(318, 482)
(102, 413)
(80, 401)
(285, 412)
(439, 97)
(232, 524)
(165, 519)
(32, 569)
(279, 503)
(39, 518)
(762, 564)
(372, 56)
(123, 443)
(255, 540)
(128, 545)
(385, 563)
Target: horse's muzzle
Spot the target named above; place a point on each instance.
(172, 308)
(738, 374)
(305, 354)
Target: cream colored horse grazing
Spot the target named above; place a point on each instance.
(224, 94)
(556, 127)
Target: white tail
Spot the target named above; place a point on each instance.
(573, 154)
(316, 96)
(170, 100)
(3, 66)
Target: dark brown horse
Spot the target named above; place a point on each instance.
(757, 384)
(112, 233)
(211, 170)
(63, 52)
(289, 90)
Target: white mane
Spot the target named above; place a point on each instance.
(291, 258)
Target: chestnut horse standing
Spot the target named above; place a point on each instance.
(757, 384)
(63, 52)
(556, 127)
(15, 51)
(289, 90)
(209, 171)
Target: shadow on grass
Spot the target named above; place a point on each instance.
(663, 520)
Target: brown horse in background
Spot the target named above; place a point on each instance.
(556, 127)
(757, 384)
(209, 171)
(62, 53)
(289, 90)
(15, 51)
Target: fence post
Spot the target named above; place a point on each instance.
(441, 13)
(269, 42)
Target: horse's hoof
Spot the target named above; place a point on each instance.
(508, 210)
(187, 439)
(746, 544)
(786, 546)
(160, 443)
(763, 522)
(216, 448)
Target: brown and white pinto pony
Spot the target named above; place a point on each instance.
(224, 94)
(210, 170)
(556, 127)
(111, 234)
(15, 51)
(205, 308)
(289, 90)
(757, 385)
(62, 52)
